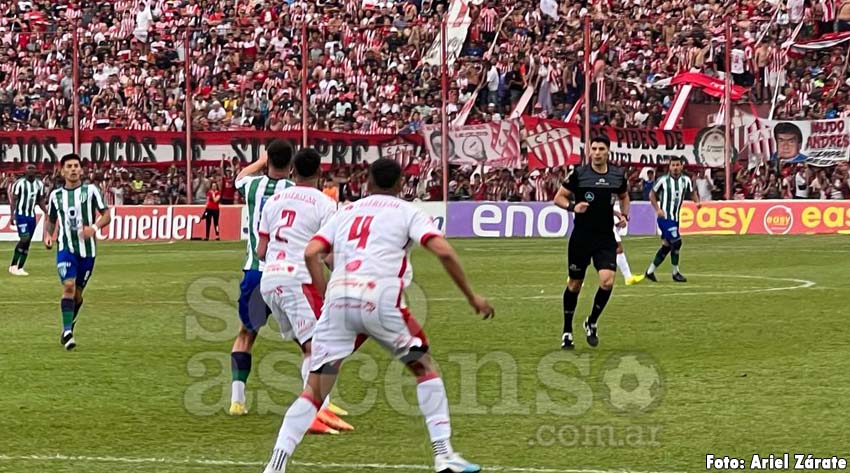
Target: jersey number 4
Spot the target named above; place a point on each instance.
(360, 230)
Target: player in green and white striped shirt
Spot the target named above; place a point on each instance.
(667, 196)
(74, 209)
(257, 188)
(27, 193)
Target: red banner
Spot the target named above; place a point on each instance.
(166, 223)
(709, 85)
(766, 217)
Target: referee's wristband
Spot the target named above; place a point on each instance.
(571, 207)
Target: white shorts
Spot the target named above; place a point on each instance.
(296, 306)
(359, 308)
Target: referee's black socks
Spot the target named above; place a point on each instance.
(599, 303)
(570, 302)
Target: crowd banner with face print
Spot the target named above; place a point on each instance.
(494, 144)
(821, 143)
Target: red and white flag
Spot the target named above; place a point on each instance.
(550, 143)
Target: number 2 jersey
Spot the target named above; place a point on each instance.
(372, 239)
(290, 219)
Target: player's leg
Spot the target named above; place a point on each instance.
(676, 247)
(84, 272)
(434, 405)
(66, 265)
(398, 331)
(207, 223)
(253, 313)
(669, 234)
(334, 339)
(604, 260)
(578, 259)
(25, 226)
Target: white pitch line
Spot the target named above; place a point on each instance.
(348, 466)
(801, 284)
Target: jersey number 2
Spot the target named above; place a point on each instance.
(287, 218)
(360, 230)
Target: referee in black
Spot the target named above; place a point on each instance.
(589, 192)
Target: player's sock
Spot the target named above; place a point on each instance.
(674, 259)
(67, 313)
(240, 366)
(434, 405)
(296, 422)
(570, 302)
(24, 249)
(659, 258)
(16, 256)
(599, 303)
(623, 264)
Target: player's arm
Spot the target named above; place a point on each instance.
(41, 202)
(50, 222)
(625, 206)
(695, 195)
(263, 246)
(564, 197)
(653, 199)
(254, 168)
(104, 219)
(314, 256)
(13, 203)
(441, 248)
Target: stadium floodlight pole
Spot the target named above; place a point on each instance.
(588, 77)
(727, 91)
(187, 111)
(444, 87)
(304, 108)
(75, 80)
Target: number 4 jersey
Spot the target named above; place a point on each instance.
(372, 238)
(289, 220)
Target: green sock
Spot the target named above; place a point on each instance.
(674, 258)
(22, 259)
(67, 313)
(16, 256)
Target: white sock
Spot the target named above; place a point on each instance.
(434, 405)
(623, 264)
(676, 269)
(651, 268)
(237, 392)
(305, 374)
(297, 420)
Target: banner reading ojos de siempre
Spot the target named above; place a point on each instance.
(139, 147)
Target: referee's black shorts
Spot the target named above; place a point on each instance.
(584, 248)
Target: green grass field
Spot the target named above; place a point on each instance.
(749, 357)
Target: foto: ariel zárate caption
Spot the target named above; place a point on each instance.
(786, 461)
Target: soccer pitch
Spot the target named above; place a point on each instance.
(748, 357)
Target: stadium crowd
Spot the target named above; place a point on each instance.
(364, 72)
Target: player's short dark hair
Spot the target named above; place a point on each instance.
(677, 158)
(307, 162)
(70, 157)
(385, 173)
(601, 139)
(787, 128)
(280, 153)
